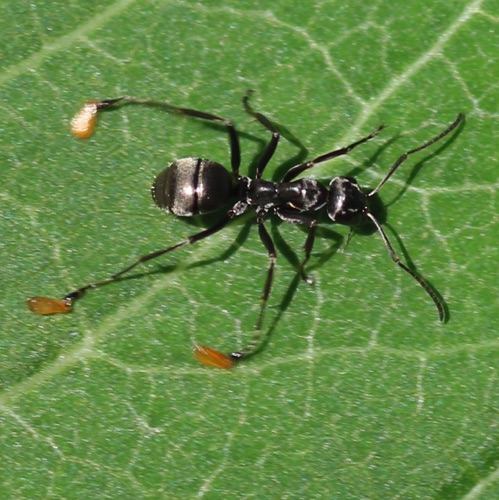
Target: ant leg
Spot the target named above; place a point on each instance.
(272, 145)
(302, 219)
(235, 149)
(309, 245)
(258, 337)
(404, 157)
(295, 171)
(417, 277)
(349, 238)
(43, 305)
(210, 357)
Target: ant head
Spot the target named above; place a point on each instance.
(347, 204)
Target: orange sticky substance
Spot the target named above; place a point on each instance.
(215, 359)
(44, 305)
(83, 123)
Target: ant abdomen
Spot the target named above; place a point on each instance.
(192, 186)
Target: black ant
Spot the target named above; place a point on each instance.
(191, 186)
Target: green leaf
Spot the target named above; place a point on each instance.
(360, 392)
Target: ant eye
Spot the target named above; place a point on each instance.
(192, 186)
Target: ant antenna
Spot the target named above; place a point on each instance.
(389, 247)
(404, 157)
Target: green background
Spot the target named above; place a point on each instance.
(361, 392)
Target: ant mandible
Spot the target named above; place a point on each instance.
(191, 186)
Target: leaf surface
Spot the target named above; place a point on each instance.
(360, 392)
